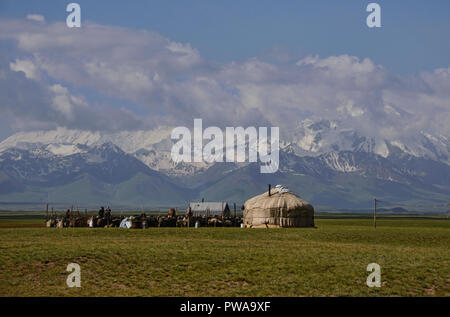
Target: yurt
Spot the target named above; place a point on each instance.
(278, 207)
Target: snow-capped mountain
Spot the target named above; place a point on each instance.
(128, 141)
(42, 166)
(152, 147)
(310, 138)
(320, 159)
(86, 174)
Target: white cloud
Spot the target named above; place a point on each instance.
(64, 102)
(165, 82)
(36, 17)
(342, 65)
(26, 66)
(351, 109)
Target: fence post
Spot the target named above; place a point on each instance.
(375, 214)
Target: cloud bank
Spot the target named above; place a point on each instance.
(103, 77)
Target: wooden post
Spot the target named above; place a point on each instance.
(375, 214)
(46, 213)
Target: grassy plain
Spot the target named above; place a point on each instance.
(330, 260)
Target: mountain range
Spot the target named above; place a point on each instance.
(328, 165)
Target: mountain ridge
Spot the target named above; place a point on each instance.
(34, 164)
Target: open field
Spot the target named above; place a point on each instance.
(328, 261)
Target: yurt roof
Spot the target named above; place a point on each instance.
(277, 199)
(211, 206)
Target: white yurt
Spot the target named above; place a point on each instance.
(278, 207)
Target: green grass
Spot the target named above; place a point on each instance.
(328, 261)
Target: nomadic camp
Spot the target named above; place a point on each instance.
(206, 215)
(278, 207)
(210, 209)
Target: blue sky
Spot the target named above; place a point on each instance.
(414, 36)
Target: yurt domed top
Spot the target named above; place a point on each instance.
(280, 197)
(280, 208)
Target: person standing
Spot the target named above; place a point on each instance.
(189, 215)
(101, 212)
(108, 216)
